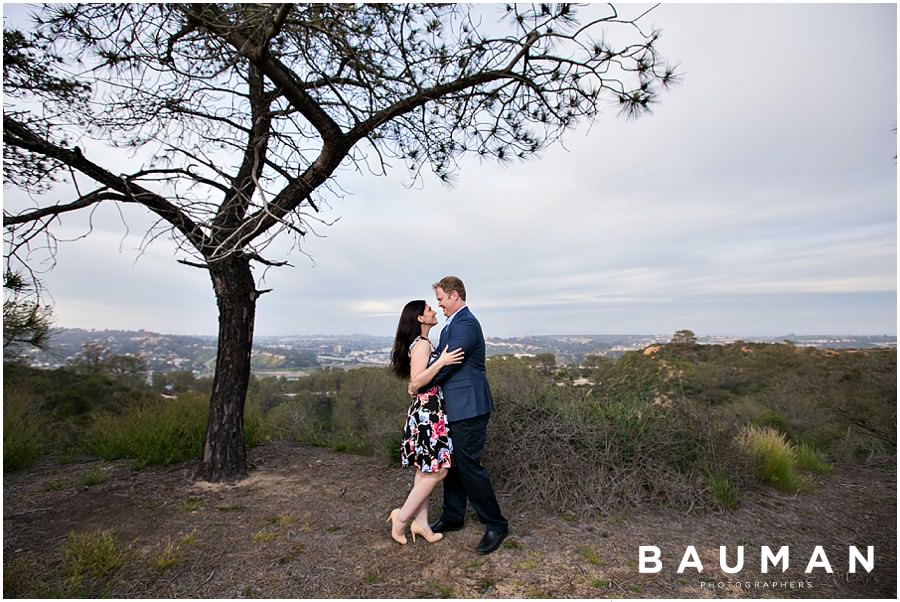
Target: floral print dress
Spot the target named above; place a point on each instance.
(426, 436)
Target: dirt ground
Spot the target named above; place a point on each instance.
(310, 523)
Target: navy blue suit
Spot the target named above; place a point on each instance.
(465, 385)
(468, 404)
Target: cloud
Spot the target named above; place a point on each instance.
(759, 196)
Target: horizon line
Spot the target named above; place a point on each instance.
(579, 334)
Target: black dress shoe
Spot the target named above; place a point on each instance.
(491, 541)
(442, 526)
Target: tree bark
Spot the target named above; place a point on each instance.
(224, 453)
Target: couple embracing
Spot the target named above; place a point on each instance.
(447, 420)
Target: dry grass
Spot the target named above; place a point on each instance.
(326, 511)
(575, 454)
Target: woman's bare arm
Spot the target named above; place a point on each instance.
(420, 372)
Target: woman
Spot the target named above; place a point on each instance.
(426, 438)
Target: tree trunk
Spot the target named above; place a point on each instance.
(224, 454)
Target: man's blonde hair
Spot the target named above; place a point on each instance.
(451, 283)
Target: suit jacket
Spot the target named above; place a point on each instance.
(465, 385)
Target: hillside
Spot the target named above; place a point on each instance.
(309, 523)
(674, 445)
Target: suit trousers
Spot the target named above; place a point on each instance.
(467, 479)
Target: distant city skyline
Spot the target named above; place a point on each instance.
(571, 336)
(289, 356)
(759, 199)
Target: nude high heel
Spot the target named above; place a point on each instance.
(398, 537)
(417, 530)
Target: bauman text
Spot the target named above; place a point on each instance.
(649, 559)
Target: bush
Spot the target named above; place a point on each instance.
(723, 490)
(368, 410)
(22, 578)
(90, 560)
(21, 429)
(95, 554)
(653, 429)
(809, 459)
(91, 566)
(841, 402)
(359, 411)
(573, 450)
(773, 456)
(305, 419)
(773, 420)
(164, 431)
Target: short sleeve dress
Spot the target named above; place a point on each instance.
(426, 436)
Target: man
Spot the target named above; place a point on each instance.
(468, 404)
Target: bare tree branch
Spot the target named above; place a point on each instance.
(18, 135)
(232, 118)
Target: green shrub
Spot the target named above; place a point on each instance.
(254, 431)
(809, 459)
(369, 408)
(92, 478)
(652, 429)
(21, 430)
(359, 411)
(90, 560)
(723, 490)
(95, 554)
(162, 431)
(772, 455)
(306, 419)
(842, 402)
(774, 420)
(393, 448)
(158, 432)
(22, 578)
(568, 448)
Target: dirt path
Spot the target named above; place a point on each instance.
(309, 523)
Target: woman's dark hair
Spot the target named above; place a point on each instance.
(408, 329)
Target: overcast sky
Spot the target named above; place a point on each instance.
(760, 198)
